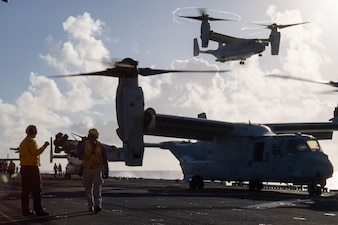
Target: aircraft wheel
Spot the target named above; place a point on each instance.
(314, 190)
(318, 191)
(255, 185)
(196, 182)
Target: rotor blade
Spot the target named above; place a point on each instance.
(193, 17)
(116, 72)
(289, 25)
(271, 26)
(108, 73)
(331, 83)
(205, 17)
(218, 19)
(328, 92)
(149, 72)
(111, 63)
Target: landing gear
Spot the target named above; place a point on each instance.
(255, 185)
(196, 182)
(241, 62)
(314, 189)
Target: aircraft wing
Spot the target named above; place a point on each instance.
(191, 128)
(225, 38)
(321, 131)
(203, 129)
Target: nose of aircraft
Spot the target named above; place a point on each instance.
(316, 165)
(325, 167)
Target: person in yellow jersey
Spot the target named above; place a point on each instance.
(30, 173)
(95, 167)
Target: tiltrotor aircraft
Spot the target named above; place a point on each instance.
(233, 48)
(63, 144)
(257, 153)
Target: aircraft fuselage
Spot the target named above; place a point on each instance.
(292, 158)
(237, 51)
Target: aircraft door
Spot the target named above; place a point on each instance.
(257, 161)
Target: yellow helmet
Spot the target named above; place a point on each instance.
(93, 133)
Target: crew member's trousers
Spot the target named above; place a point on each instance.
(31, 183)
(92, 182)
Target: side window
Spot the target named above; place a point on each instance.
(296, 145)
(277, 146)
(258, 152)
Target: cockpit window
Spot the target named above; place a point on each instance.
(314, 145)
(288, 145)
(295, 145)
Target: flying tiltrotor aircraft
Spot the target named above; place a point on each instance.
(257, 153)
(233, 48)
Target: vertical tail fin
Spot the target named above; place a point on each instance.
(51, 150)
(196, 48)
(335, 115)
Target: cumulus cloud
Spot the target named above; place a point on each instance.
(75, 54)
(303, 55)
(82, 52)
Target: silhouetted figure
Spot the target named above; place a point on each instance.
(60, 170)
(11, 169)
(94, 163)
(30, 173)
(55, 169)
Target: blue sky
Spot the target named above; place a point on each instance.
(41, 38)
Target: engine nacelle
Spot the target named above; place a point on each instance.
(275, 40)
(62, 143)
(205, 33)
(130, 118)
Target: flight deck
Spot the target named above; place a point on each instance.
(155, 201)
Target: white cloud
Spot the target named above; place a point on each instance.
(82, 49)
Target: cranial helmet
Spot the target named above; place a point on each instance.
(93, 133)
(31, 129)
